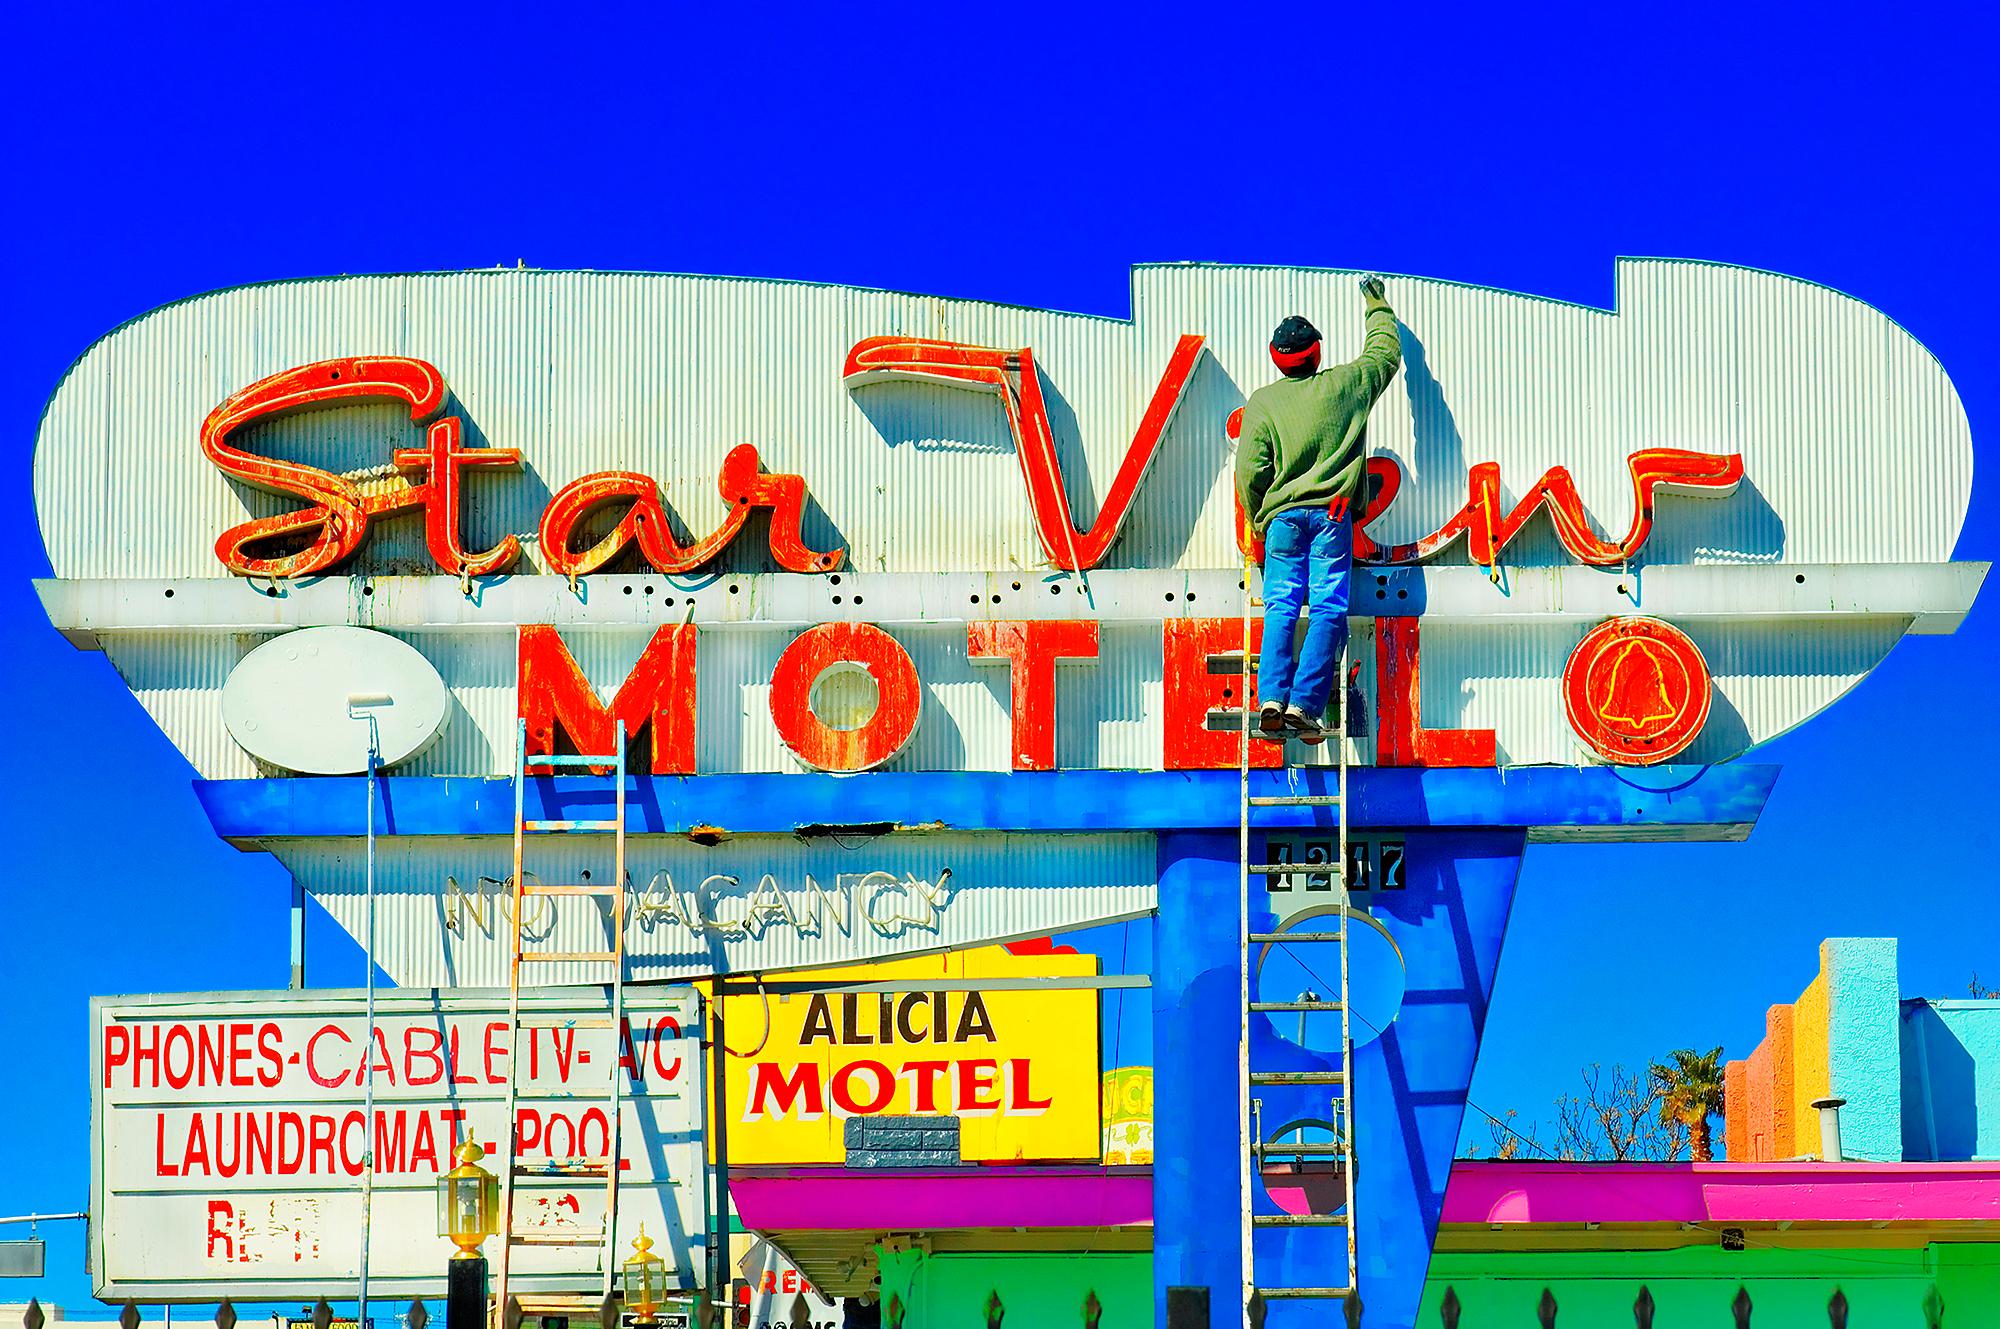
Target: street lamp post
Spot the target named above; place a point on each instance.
(645, 1281)
(468, 1205)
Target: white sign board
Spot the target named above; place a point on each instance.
(228, 1137)
(756, 903)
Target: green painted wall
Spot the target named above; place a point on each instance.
(950, 1291)
(1885, 1289)
(1692, 1288)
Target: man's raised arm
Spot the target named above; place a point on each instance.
(1381, 349)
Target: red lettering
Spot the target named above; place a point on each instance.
(195, 1153)
(336, 518)
(208, 1054)
(494, 1051)
(423, 1145)
(848, 1101)
(871, 741)
(389, 1138)
(117, 1046)
(664, 1029)
(1487, 533)
(976, 1080)
(527, 1130)
(312, 1059)
(222, 1228)
(923, 1077)
(146, 1049)
(354, 1161)
(1021, 1100)
(456, 1078)
(775, 1093)
(177, 1079)
(382, 1064)
(260, 1136)
(1402, 739)
(239, 1055)
(1191, 690)
(319, 1143)
(269, 1041)
(412, 1054)
(660, 692)
(1031, 648)
(1012, 375)
(160, 1165)
(291, 1143)
(744, 487)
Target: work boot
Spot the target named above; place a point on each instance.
(1305, 728)
(1271, 719)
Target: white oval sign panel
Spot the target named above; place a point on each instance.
(303, 700)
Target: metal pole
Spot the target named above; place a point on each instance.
(368, 1034)
(1246, 1292)
(41, 1218)
(298, 935)
(465, 1293)
(718, 1250)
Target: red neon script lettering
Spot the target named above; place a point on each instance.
(337, 520)
(744, 486)
(1012, 375)
(1487, 533)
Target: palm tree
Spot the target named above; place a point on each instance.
(1689, 1088)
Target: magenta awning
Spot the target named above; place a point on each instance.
(933, 1199)
(1515, 1192)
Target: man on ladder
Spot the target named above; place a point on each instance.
(1299, 471)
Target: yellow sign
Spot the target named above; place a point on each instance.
(1018, 1068)
(1128, 1115)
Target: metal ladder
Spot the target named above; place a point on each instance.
(528, 887)
(1254, 1150)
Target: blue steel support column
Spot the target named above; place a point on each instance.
(1410, 1083)
(1195, 1196)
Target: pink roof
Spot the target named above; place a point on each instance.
(835, 1199)
(931, 1199)
(1515, 1192)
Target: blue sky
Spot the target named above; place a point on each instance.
(1027, 157)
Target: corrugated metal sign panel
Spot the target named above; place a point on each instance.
(1854, 443)
(1768, 678)
(752, 904)
(228, 1136)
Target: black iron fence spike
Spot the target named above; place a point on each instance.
(1545, 1310)
(1836, 1310)
(1642, 1308)
(225, 1315)
(129, 1316)
(1449, 1309)
(33, 1318)
(1740, 1307)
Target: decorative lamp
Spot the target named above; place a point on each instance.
(468, 1203)
(645, 1280)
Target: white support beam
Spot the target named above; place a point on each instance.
(1933, 597)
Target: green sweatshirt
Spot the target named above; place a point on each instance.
(1304, 440)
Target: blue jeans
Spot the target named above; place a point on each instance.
(1307, 553)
